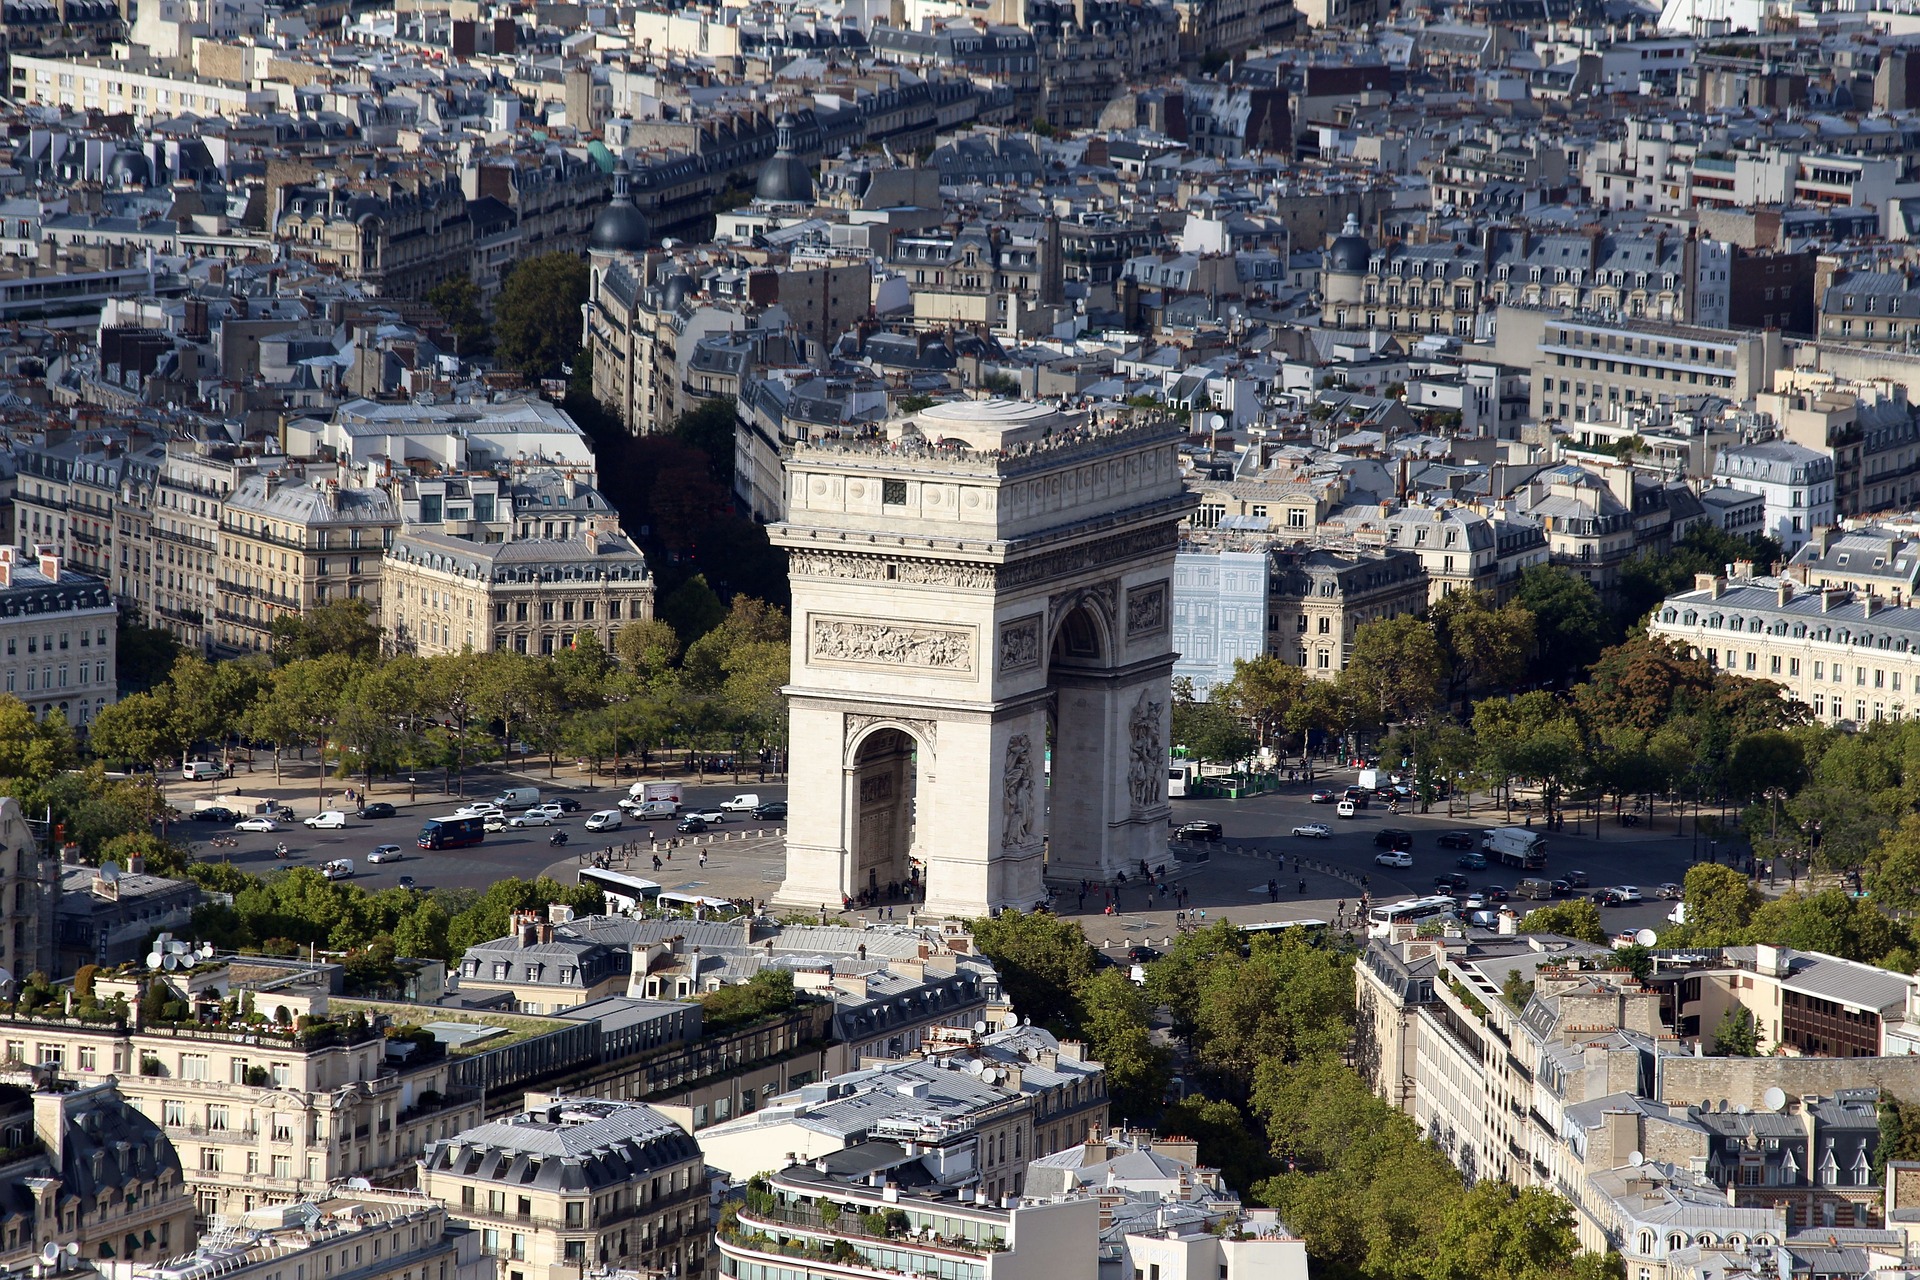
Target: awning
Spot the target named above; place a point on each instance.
(106, 1250)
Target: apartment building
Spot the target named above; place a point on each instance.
(58, 637)
(398, 233)
(267, 1111)
(1851, 657)
(574, 1183)
(1797, 483)
(170, 542)
(1868, 430)
(1868, 560)
(291, 539)
(135, 87)
(1318, 597)
(29, 890)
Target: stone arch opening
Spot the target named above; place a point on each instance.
(1078, 732)
(883, 776)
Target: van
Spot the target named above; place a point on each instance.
(338, 869)
(518, 797)
(194, 770)
(1534, 888)
(650, 810)
(746, 802)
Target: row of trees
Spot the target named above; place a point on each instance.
(329, 687)
(1262, 1024)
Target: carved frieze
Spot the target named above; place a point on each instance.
(1147, 609)
(858, 642)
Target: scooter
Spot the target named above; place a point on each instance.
(557, 838)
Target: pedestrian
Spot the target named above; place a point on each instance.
(1083, 901)
(656, 862)
(1303, 888)
(703, 857)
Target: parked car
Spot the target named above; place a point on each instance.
(1452, 882)
(1394, 858)
(1392, 838)
(1495, 893)
(1323, 796)
(1142, 955)
(1459, 840)
(531, 818)
(1346, 809)
(1198, 831)
(256, 824)
(691, 825)
(384, 853)
(605, 820)
(1313, 830)
(772, 811)
(1475, 861)
(327, 820)
(378, 809)
(1670, 892)
(213, 813)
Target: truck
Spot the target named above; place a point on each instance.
(1516, 847)
(665, 791)
(1372, 779)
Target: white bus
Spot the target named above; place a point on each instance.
(1398, 919)
(623, 892)
(696, 904)
(1178, 775)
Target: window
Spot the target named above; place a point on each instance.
(193, 1066)
(173, 1112)
(210, 1160)
(216, 1118)
(893, 493)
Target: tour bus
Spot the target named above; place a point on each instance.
(453, 832)
(1316, 931)
(1398, 919)
(1179, 773)
(623, 892)
(696, 904)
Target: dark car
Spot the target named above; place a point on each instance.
(378, 809)
(1472, 861)
(771, 810)
(1142, 955)
(1198, 831)
(691, 825)
(214, 814)
(406, 882)
(1610, 898)
(1392, 838)
(567, 804)
(1452, 882)
(1458, 840)
(1578, 879)
(1495, 893)
(1324, 796)
(1562, 889)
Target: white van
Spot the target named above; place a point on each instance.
(650, 810)
(194, 770)
(744, 803)
(518, 797)
(338, 869)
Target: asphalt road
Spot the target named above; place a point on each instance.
(509, 853)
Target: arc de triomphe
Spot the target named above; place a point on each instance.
(981, 672)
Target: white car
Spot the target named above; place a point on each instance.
(1484, 919)
(256, 824)
(1394, 858)
(1313, 830)
(480, 811)
(531, 818)
(338, 869)
(1627, 892)
(552, 808)
(605, 820)
(493, 822)
(712, 817)
(327, 820)
(385, 853)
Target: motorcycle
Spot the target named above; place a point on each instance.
(280, 851)
(557, 838)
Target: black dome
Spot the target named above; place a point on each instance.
(620, 228)
(129, 169)
(1350, 252)
(679, 285)
(786, 179)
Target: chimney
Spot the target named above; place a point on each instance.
(1829, 597)
(1784, 592)
(1712, 583)
(1867, 604)
(49, 566)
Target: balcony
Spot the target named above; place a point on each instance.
(185, 539)
(771, 1220)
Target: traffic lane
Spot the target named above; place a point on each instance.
(511, 853)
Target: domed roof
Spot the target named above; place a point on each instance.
(1350, 252)
(620, 228)
(679, 285)
(129, 169)
(786, 179)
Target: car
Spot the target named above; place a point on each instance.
(1495, 893)
(384, 853)
(338, 869)
(1609, 898)
(531, 818)
(691, 825)
(1475, 861)
(1484, 919)
(1394, 858)
(772, 811)
(492, 822)
(1473, 902)
(712, 817)
(1346, 809)
(567, 804)
(1142, 954)
(1452, 882)
(1670, 892)
(378, 809)
(1313, 830)
(256, 824)
(480, 811)
(551, 808)
(406, 882)
(1458, 840)
(1563, 888)
(605, 820)
(327, 820)
(213, 813)
(1577, 879)
(1628, 893)
(1357, 794)
(746, 802)
(1392, 838)
(1323, 796)
(1210, 831)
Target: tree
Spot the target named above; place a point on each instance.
(1114, 1022)
(708, 427)
(1513, 1233)
(1229, 1141)
(1264, 692)
(1042, 962)
(1738, 1035)
(160, 857)
(691, 609)
(1720, 903)
(1893, 869)
(1486, 646)
(1569, 623)
(1210, 731)
(1770, 762)
(1831, 922)
(1396, 670)
(1284, 1001)
(1516, 990)
(344, 627)
(649, 648)
(458, 301)
(536, 318)
(1575, 918)
(142, 657)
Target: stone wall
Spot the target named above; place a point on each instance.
(1740, 1082)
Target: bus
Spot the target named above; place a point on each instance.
(1400, 918)
(697, 905)
(1178, 774)
(460, 831)
(622, 891)
(1317, 931)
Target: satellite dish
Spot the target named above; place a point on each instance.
(979, 1028)
(169, 962)
(1775, 1098)
(976, 1067)
(49, 1253)
(178, 948)
(110, 871)
(359, 1184)
(73, 1248)
(1010, 1023)
(154, 958)
(1026, 1022)
(1636, 1159)
(1646, 937)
